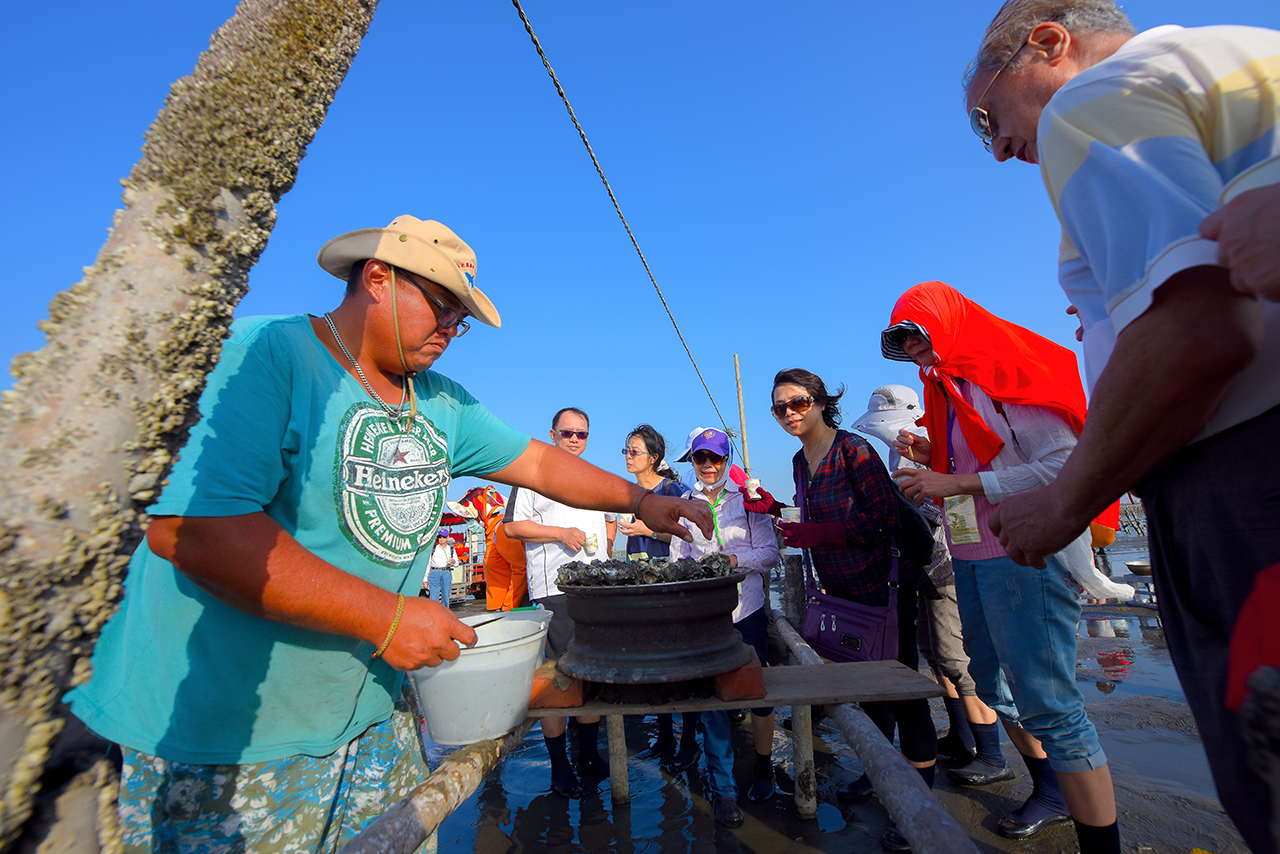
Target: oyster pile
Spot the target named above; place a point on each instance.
(614, 573)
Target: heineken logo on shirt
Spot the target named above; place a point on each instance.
(391, 484)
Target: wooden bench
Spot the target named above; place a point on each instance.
(793, 685)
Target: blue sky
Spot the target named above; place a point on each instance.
(787, 170)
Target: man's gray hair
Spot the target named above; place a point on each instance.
(1017, 18)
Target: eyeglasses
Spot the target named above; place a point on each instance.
(703, 457)
(800, 404)
(569, 434)
(980, 119)
(628, 452)
(446, 317)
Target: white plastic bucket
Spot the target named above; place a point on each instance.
(484, 692)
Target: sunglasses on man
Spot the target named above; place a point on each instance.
(569, 434)
(799, 404)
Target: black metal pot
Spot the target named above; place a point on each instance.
(654, 633)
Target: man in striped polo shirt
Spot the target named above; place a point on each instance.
(1139, 137)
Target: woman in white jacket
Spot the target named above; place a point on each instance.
(752, 546)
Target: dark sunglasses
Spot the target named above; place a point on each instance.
(703, 457)
(569, 434)
(446, 317)
(800, 404)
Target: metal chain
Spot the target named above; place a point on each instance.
(528, 27)
(394, 414)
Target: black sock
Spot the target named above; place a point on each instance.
(926, 774)
(1098, 840)
(764, 767)
(986, 738)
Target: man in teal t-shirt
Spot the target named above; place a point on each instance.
(252, 675)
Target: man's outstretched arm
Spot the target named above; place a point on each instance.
(1166, 376)
(559, 475)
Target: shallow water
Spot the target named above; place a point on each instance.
(1163, 788)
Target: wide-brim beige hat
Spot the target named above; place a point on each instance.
(425, 247)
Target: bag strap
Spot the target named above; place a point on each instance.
(810, 582)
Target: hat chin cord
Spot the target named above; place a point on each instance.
(407, 379)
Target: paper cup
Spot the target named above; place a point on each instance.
(791, 514)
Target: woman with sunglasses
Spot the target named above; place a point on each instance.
(1003, 408)
(645, 455)
(849, 510)
(749, 541)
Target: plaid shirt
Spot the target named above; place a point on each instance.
(853, 487)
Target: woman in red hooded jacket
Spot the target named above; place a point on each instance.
(1003, 408)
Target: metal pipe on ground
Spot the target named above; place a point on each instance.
(401, 829)
(919, 816)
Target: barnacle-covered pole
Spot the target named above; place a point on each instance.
(96, 417)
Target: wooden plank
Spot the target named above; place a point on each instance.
(801, 684)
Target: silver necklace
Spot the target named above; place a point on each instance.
(393, 414)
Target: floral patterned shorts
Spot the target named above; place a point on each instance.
(300, 803)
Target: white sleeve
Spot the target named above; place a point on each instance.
(523, 506)
(1044, 441)
(763, 555)
(680, 549)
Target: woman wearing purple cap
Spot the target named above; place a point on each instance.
(749, 541)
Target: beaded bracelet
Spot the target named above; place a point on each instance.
(394, 623)
(635, 511)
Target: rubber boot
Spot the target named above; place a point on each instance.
(958, 743)
(688, 752)
(761, 779)
(562, 779)
(989, 765)
(666, 740)
(1046, 805)
(589, 759)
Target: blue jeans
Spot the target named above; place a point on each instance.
(718, 743)
(1020, 633)
(438, 583)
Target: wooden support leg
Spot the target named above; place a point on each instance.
(802, 750)
(618, 759)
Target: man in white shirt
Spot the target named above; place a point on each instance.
(555, 534)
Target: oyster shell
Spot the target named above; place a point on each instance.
(657, 571)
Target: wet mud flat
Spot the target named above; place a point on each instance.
(1164, 793)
